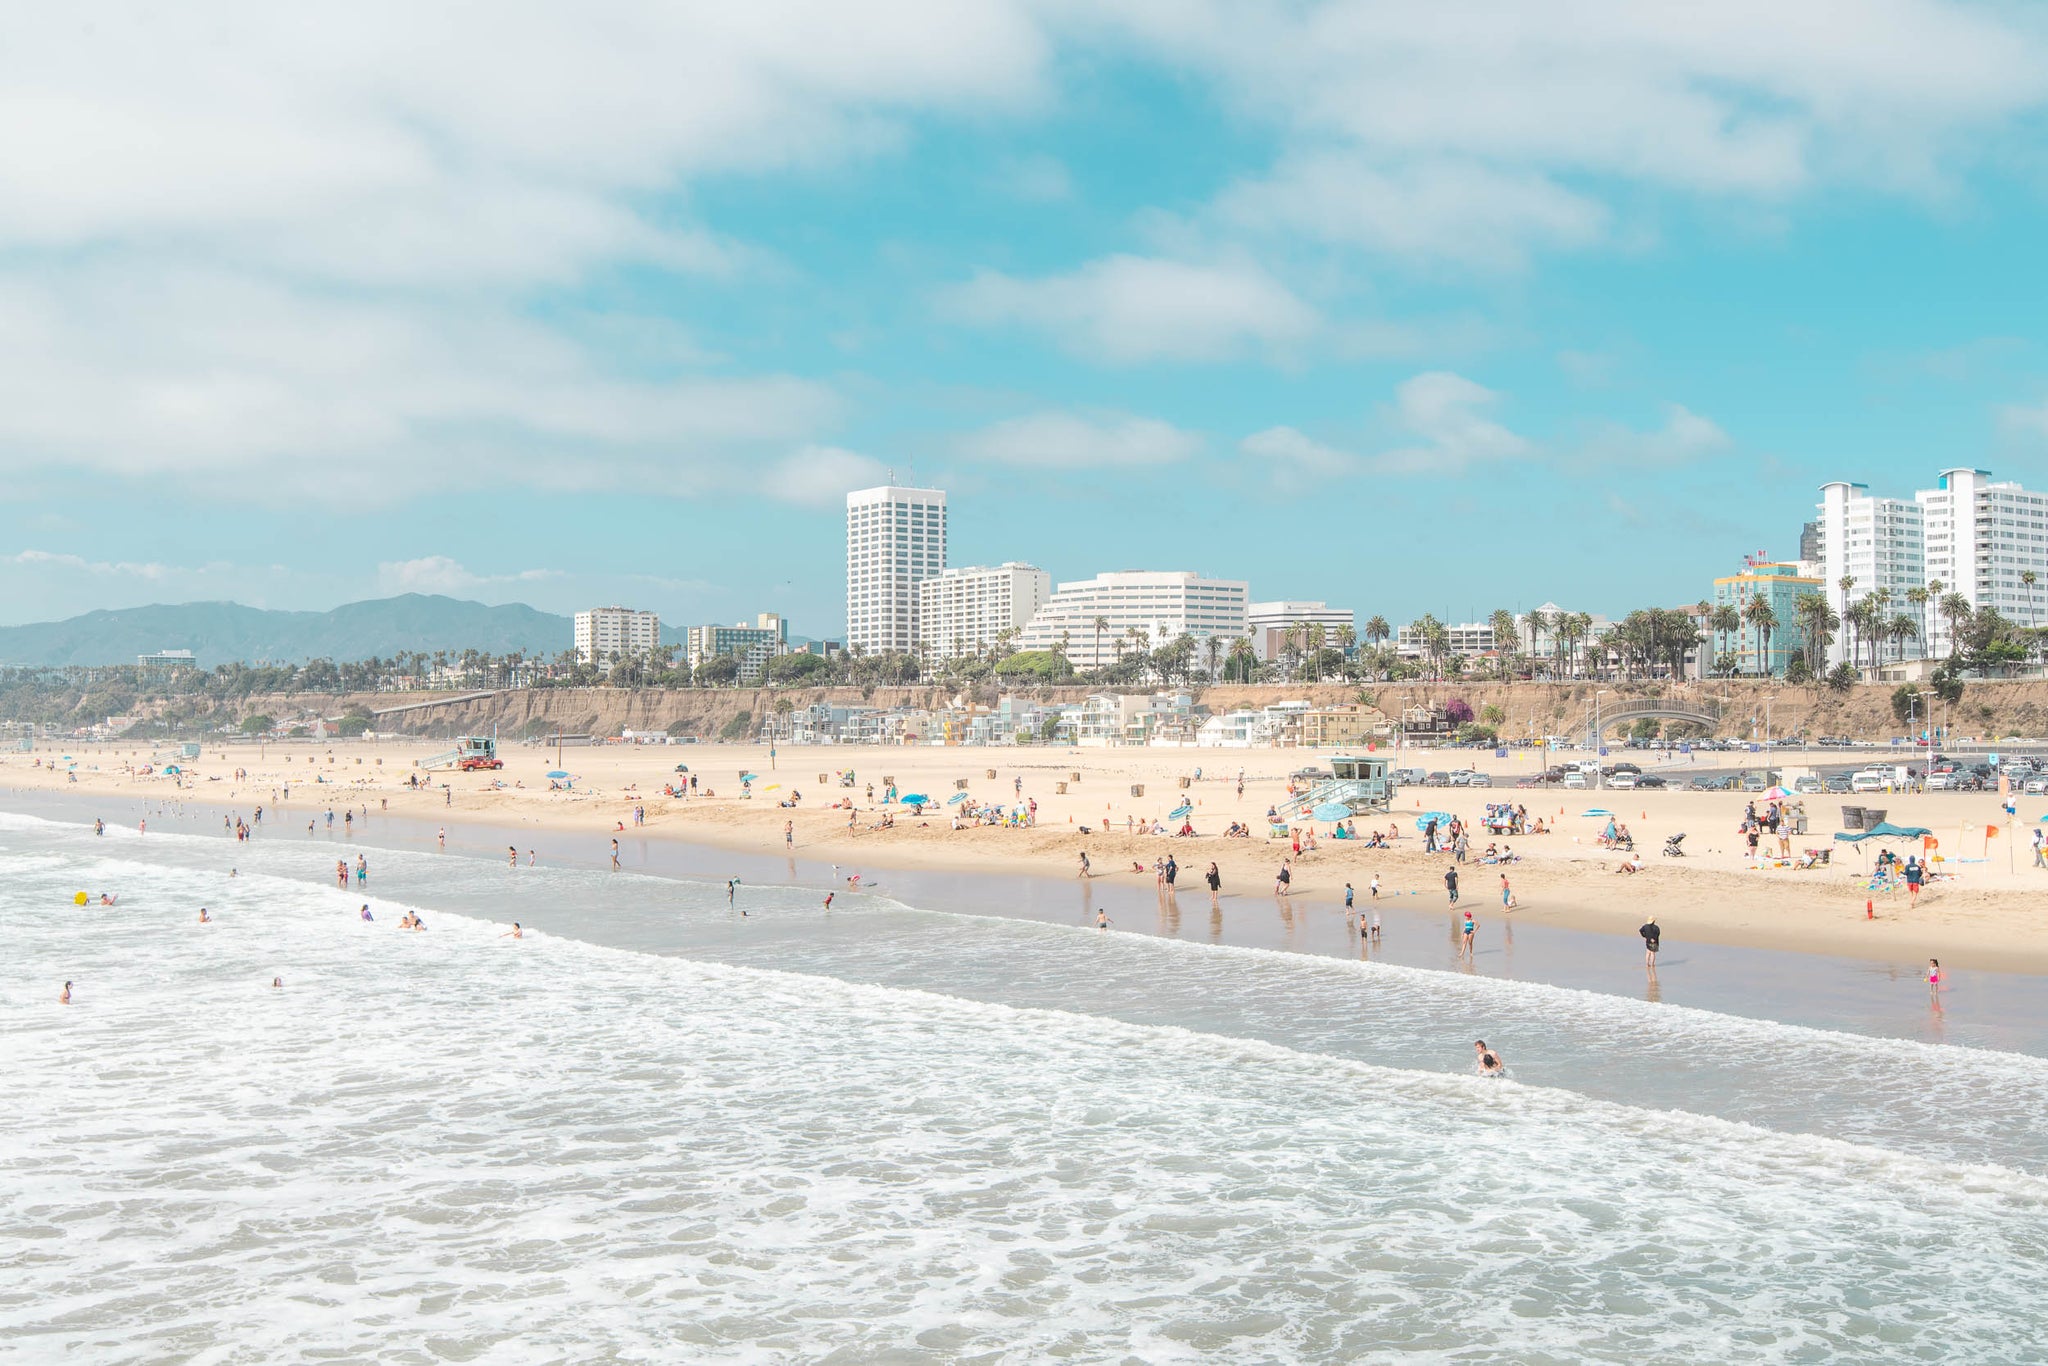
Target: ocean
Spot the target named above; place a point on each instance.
(655, 1129)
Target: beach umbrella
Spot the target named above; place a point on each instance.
(1777, 794)
(748, 777)
(557, 773)
(1440, 817)
(1596, 811)
(1328, 811)
(173, 768)
(956, 799)
(682, 768)
(1183, 811)
(914, 799)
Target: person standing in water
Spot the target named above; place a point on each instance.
(1215, 881)
(1350, 904)
(511, 856)
(1466, 935)
(1651, 938)
(731, 893)
(64, 996)
(514, 933)
(615, 856)
(789, 835)
(1451, 884)
(1101, 918)
(1489, 1062)
(441, 837)
(1934, 974)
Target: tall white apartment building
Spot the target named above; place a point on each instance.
(1981, 537)
(895, 540)
(1875, 543)
(605, 633)
(962, 611)
(1267, 623)
(1161, 605)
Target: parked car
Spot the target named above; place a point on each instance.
(1867, 782)
(1835, 782)
(1808, 785)
(2037, 787)
(1622, 782)
(1940, 782)
(1479, 780)
(1575, 780)
(1651, 780)
(1437, 779)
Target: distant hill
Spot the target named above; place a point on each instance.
(220, 632)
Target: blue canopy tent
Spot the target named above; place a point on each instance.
(1884, 830)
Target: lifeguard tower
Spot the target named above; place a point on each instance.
(1363, 782)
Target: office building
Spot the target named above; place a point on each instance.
(604, 634)
(1466, 638)
(165, 662)
(1159, 605)
(1809, 542)
(752, 645)
(1874, 543)
(895, 540)
(1267, 623)
(1780, 585)
(962, 611)
(1980, 538)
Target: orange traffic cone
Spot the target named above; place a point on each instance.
(1869, 910)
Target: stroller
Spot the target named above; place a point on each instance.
(1673, 845)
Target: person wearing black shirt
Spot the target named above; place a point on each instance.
(1451, 884)
(1651, 934)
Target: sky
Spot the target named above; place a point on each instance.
(1409, 308)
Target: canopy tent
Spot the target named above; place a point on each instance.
(1884, 830)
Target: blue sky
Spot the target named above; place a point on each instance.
(1410, 308)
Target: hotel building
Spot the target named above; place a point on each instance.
(895, 540)
(1162, 605)
(1875, 543)
(1267, 623)
(604, 634)
(962, 611)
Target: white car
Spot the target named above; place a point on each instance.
(2037, 787)
(1479, 780)
(1575, 779)
(1940, 782)
(1622, 782)
(1867, 782)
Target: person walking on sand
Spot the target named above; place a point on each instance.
(1451, 882)
(1652, 936)
(1283, 885)
(1916, 873)
(1507, 894)
(789, 835)
(1084, 863)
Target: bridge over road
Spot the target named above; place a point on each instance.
(1628, 711)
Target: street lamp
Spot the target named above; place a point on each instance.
(1767, 718)
(1599, 774)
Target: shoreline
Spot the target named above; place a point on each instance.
(1988, 920)
(1991, 1009)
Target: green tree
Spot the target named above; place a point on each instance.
(259, 724)
(1764, 620)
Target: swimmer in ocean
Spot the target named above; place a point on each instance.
(514, 933)
(276, 982)
(366, 912)
(1101, 918)
(731, 890)
(828, 899)
(64, 996)
(511, 856)
(204, 918)
(1489, 1062)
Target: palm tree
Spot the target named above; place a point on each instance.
(1901, 629)
(1314, 635)
(1101, 624)
(1213, 649)
(1759, 615)
(1956, 608)
(1507, 638)
(1347, 641)
(1377, 632)
(2028, 578)
(1536, 622)
(1726, 621)
(1934, 591)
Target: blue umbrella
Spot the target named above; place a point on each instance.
(748, 777)
(956, 799)
(1183, 811)
(1331, 811)
(1596, 811)
(1440, 817)
(914, 799)
(557, 773)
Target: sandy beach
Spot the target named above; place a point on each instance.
(1985, 912)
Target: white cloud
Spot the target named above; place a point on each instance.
(1069, 441)
(821, 476)
(1455, 209)
(1129, 309)
(46, 559)
(2032, 421)
(439, 574)
(1445, 414)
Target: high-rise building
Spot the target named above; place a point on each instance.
(1981, 537)
(1267, 623)
(1875, 544)
(895, 540)
(753, 645)
(604, 634)
(1161, 606)
(962, 611)
(1809, 542)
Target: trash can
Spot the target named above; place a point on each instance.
(1799, 824)
(1874, 817)
(1060, 788)
(1137, 789)
(1073, 777)
(991, 774)
(959, 784)
(1185, 783)
(1852, 818)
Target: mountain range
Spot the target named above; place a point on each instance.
(222, 632)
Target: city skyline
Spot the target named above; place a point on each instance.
(1163, 281)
